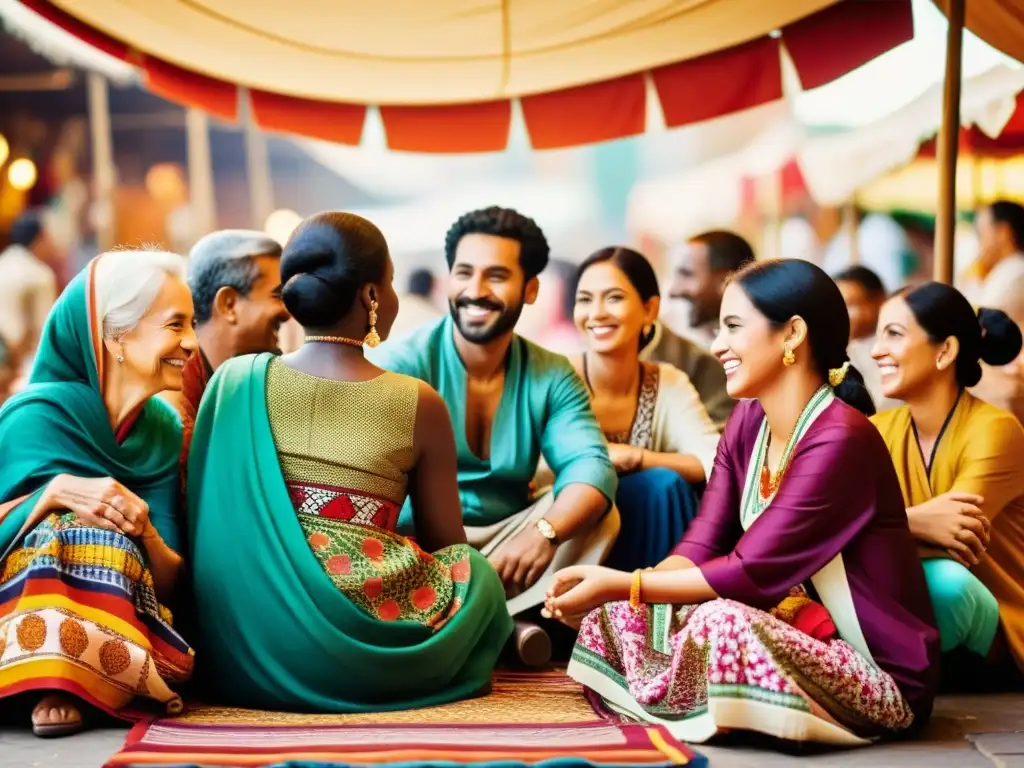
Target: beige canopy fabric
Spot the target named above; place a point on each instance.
(445, 74)
(421, 52)
(1000, 23)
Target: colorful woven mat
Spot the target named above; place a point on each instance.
(528, 719)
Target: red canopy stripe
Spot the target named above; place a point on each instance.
(184, 87)
(587, 114)
(830, 43)
(481, 127)
(973, 142)
(720, 83)
(327, 120)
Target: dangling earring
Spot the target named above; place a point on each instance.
(372, 339)
(788, 358)
(120, 357)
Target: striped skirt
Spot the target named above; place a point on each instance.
(78, 614)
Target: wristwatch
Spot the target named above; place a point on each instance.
(547, 530)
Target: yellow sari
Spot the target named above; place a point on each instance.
(979, 451)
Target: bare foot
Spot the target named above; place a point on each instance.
(56, 715)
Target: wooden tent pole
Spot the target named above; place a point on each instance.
(852, 227)
(949, 140)
(103, 173)
(257, 163)
(200, 173)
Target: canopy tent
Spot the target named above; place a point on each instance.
(1000, 23)
(836, 166)
(580, 71)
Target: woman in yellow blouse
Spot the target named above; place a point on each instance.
(958, 460)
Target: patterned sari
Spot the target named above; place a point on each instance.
(722, 665)
(320, 606)
(78, 611)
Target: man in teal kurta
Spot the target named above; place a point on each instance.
(511, 402)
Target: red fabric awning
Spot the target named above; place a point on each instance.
(823, 46)
(975, 143)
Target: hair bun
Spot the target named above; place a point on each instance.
(1001, 339)
(852, 390)
(311, 301)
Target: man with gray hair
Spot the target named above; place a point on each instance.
(235, 278)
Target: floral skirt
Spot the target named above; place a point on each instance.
(78, 613)
(722, 665)
(388, 575)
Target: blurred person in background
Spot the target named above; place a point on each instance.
(864, 295)
(8, 372)
(28, 288)
(702, 368)
(235, 278)
(997, 282)
(416, 306)
(882, 246)
(700, 271)
(548, 321)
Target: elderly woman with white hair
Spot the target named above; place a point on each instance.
(89, 489)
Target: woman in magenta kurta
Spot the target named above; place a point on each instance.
(795, 605)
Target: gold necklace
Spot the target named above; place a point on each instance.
(336, 340)
(769, 481)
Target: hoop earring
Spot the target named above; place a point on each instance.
(788, 358)
(372, 339)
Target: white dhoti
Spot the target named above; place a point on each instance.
(589, 546)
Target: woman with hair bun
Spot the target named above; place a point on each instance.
(305, 596)
(660, 438)
(794, 605)
(958, 460)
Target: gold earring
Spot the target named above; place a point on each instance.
(372, 339)
(788, 358)
(120, 357)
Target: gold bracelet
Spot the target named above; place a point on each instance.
(634, 591)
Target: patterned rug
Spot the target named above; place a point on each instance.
(529, 719)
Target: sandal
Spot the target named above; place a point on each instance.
(67, 726)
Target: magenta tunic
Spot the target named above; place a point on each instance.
(839, 495)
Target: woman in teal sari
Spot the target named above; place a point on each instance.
(306, 598)
(89, 490)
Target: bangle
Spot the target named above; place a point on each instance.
(634, 591)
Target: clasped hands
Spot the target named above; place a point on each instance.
(954, 522)
(100, 503)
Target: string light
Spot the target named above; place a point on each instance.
(281, 223)
(22, 174)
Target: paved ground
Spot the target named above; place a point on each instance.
(966, 732)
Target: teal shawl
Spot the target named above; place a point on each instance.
(274, 631)
(59, 425)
